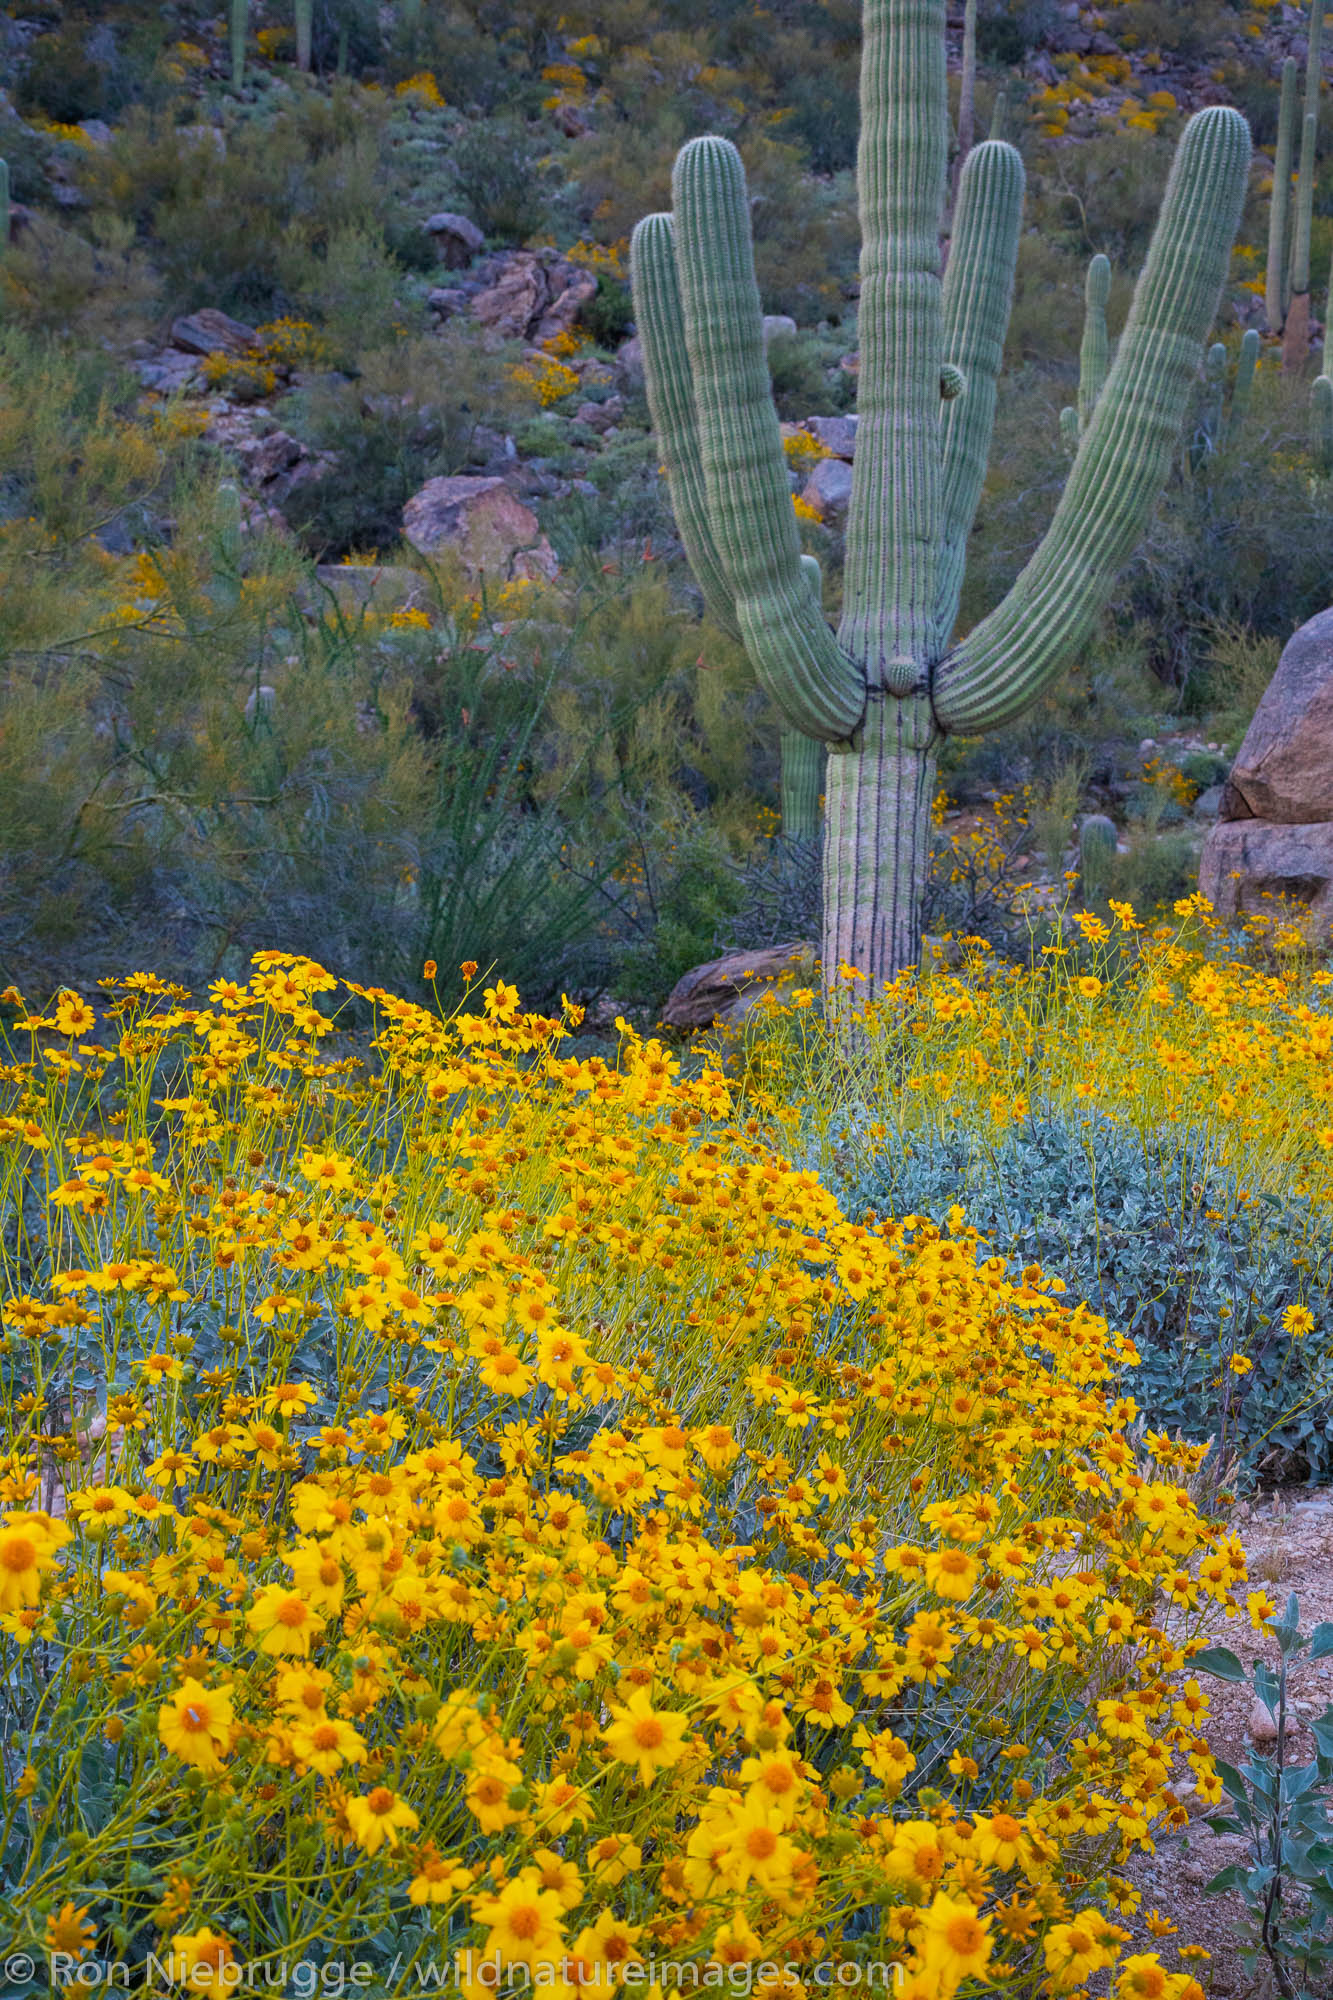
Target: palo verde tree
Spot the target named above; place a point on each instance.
(890, 684)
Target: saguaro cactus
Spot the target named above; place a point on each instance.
(238, 21)
(305, 21)
(1296, 327)
(1277, 271)
(884, 691)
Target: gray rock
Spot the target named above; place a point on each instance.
(601, 416)
(457, 240)
(1284, 769)
(836, 434)
(829, 488)
(629, 360)
(168, 374)
(448, 301)
(209, 331)
(1209, 803)
(778, 326)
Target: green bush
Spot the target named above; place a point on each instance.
(609, 314)
(500, 173)
(60, 80)
(1169, 1249)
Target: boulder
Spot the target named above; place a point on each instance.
(1247, 862)
(1283, 771)
(836, 434)
(457, 241)
(726, 989)
(532, 295)
(486, 524)
(829, 488)
(601, 416)
(169, 373)
(448, 301)
(209, 331)
(778, 326)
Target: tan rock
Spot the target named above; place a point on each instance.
(490, 529)
(727, 989)
(1247, 862)
(1284, 769)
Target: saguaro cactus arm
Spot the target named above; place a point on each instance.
(1007, 659)
(978, 293)
(1242, 393)
(668, 379)
(1094, 356)
(1321, 425)
(1275, 276)
(814, 684)
(238, 22)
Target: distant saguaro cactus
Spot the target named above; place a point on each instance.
(238, 21)
(1279, 202)
(890, 685)
(1097, 844)
(305, 23)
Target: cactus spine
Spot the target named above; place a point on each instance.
(239, 20)
(884, 691)
(305, 22)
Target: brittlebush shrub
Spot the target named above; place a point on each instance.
(463, 1495)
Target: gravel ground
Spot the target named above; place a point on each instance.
(1290, 1545)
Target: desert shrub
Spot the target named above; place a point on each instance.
(609, 314)
(408, 416)
(475, 1546)
(800, 388)
(1233, 674)
(56, 281)
(241, 226)
(1168, 1247)
(28, 154)
(1185, 27)
(60, 80)
(500, 173)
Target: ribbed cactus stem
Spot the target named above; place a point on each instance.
(305, 21)
(999, 116)
(1296, 330)
(975, 305)
(1069, 429)
(1278, 269)
(1321, 425)
(1126, 454)
(802, 785)
(1094, 357)
(1242, 394)
(1097, 846)
(883, 692)
(967, 84)
(239, 21)
(4, 205)
(1215, 379)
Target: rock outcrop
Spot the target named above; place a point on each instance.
(1274, 834)
(528, 295)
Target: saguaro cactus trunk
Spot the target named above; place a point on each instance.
(305, 22)
(884, 691)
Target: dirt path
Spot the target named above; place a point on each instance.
(1290, 1546)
